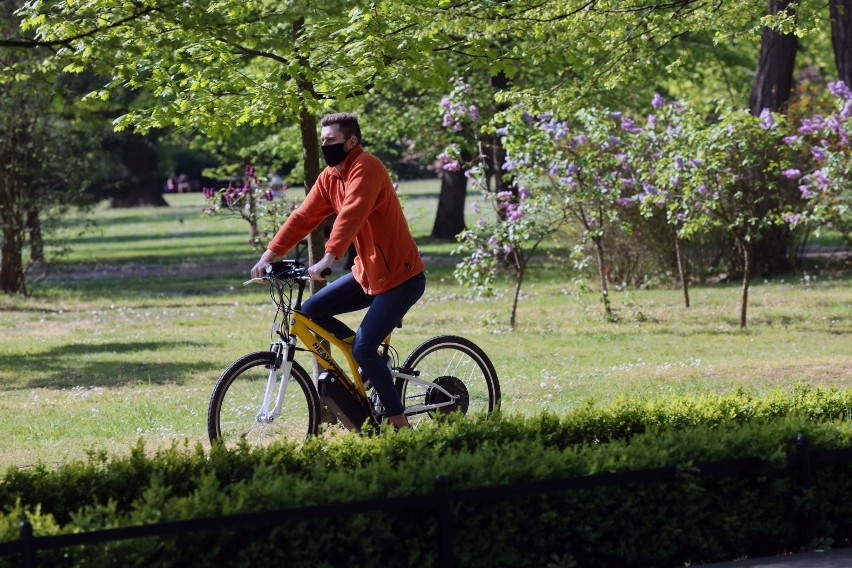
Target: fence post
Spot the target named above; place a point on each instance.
(445, 523)
(28, 551)
(806, 479)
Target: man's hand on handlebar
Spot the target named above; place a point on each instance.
(259, 269)
(323, 268)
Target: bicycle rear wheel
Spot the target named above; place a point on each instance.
(236, 404)
(460, 367)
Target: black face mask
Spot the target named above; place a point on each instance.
(333, 154)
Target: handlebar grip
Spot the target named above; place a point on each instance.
(325, 272)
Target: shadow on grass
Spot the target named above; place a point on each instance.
(65, 367)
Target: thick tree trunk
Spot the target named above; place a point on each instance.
(139, 157)
(12, 263)
(773, 83)
(36, 237)
(449, 219)
(841, 37)
(773, 78)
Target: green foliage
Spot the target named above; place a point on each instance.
(687, 518)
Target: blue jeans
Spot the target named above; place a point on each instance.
(385, 312)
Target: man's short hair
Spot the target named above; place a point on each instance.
(348, 123)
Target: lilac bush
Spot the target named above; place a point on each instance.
(732, 172)
(256, 201)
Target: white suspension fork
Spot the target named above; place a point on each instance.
(286, 367)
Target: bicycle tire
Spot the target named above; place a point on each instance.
(236, 399)
(450, 361)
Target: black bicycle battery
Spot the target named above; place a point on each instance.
(343, 400)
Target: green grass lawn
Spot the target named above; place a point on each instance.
(129, 332)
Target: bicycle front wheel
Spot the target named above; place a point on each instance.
(460, 367)
(235, 412)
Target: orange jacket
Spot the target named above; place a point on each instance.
(368, 214)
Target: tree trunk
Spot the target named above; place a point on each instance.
(36, 237)
(681, 270)
(599, 252)
(143, 189)
(841, 38)
(12, 263)
(773, 83)
(521, 271)
(746, 249)
(449, 219)
(773, 78)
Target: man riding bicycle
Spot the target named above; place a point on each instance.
(387, 277)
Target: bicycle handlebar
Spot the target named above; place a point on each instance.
(285, 270)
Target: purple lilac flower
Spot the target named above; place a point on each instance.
(527, 117)
(818, 154)
(553, 169)
(792, 173)
(629, 126)
(267, 195)
(840, 89)
(811, 125)
(523, 192)
(702, 189)
(475, 207)
(627, 183)
(504, 195)
(474, 112)
(572, 169)
(445, 103)
(791, 218)
(681, 216)
(209, 192)
(448, 120)
(515, 215)
(509, 164)
(503, 131)
(453, 166)
(696, 163)
(508, 248)
(767, 121)
(658, 101)
(806, 192)
(649, 188)
(790, 140)
(822, 179)
(457, 127)
(624, 201)
(652, 120)
(679, 164)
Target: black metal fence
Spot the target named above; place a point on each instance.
(804, 462)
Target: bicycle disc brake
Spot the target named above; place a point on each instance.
(455, 387)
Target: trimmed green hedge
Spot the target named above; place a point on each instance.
(691, 518)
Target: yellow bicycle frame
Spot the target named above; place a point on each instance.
(311, 335)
